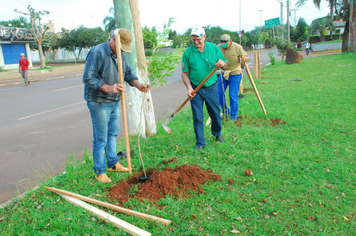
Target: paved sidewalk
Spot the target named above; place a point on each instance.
(13, 76)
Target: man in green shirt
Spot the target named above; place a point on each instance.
(231, 75)
(197, 63)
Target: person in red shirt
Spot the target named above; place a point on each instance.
(23, 68)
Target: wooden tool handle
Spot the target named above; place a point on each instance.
(123, 100)
(255, 88)
(111, 206)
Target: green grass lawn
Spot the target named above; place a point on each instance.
(304, 174)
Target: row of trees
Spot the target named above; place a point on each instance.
(77, 39)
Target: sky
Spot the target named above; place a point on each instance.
(71, 14)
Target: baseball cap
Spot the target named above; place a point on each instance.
(198, 31)
(224, 39)
(125, 38)
(22, 54)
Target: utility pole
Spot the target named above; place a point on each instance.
(295, 17)
(260, 17)
(240, 23)
(288, 23)
(260, 27)
(282, 12)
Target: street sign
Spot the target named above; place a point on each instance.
(272, 22)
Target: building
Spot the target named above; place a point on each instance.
(13, 42)
(339, 27)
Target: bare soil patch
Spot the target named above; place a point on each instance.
(258, 121)
(178, 182)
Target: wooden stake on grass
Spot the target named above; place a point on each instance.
(123, 100)
(254, 88)
(110, 206)
(127, 227)
(259, 65)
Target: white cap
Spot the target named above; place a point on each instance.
(198, 31)
(22, 54)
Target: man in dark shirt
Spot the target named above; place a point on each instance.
(102, 93)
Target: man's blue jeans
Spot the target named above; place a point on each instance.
(105, 119)
(234, 85)
(210, 96)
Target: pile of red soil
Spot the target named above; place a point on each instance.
(178, 182)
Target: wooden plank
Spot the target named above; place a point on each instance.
(127, 227)
(110, 206)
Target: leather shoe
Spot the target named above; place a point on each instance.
(219, 139)
(198, 148)
(118, 167)
(103, 178)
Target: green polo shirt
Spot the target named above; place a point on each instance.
(200, 64)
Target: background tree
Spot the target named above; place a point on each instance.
(282, 46)
(264, 38)
(149, 36)
(81, 37)
(109, 21)
(252, 38)
(213, 34)
(38, 31)
(21, 22)
(49, 45)
(301, 30)
(321, 25)
(181, 39)
(244, 40)
(332, 5)
(342, 10)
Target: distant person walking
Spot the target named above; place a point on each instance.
(231, 75)
(307, 46)
(23, 68)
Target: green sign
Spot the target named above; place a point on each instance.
(272, 22)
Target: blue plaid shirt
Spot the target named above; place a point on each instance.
(101, 68)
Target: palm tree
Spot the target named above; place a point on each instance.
(342, 9)
(109, 21)
(321, 25)
(332, 5)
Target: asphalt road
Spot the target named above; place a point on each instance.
(44, 124)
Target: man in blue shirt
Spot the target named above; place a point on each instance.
(197, 63)
(102, 93)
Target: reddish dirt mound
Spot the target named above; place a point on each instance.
(258, 121)
(178, 182)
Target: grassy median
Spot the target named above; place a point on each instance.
(302, 156)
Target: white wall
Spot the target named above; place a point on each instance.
(61, 54)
